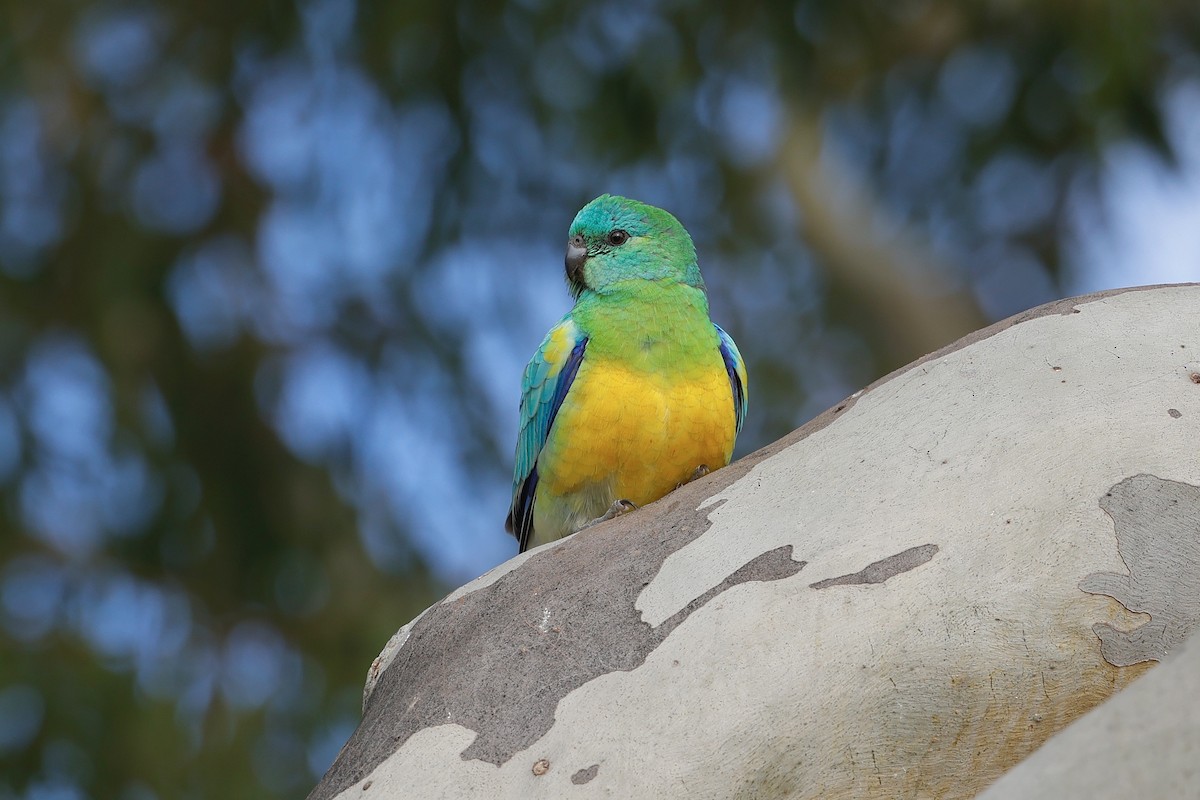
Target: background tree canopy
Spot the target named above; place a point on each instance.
(269, 273)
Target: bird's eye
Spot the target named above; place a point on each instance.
(618, 238)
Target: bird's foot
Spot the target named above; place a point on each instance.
(618, 508)
(697, 474)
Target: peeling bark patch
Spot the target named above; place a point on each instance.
(498, 660)
(1157, 525)
(880, 571)
(584, 775)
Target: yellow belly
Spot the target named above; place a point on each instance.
(632, 435)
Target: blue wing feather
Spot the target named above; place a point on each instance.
(547, 380)
(737, 375)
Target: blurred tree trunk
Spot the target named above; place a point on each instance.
(915, 301)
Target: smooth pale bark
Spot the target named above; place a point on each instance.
(1144, 743)
(905, 597)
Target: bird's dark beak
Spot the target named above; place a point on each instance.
(576, 256)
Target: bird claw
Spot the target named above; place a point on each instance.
(697, 474)
(618, 508)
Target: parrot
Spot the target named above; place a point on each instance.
(635, 391)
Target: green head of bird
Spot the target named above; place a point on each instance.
(614, 240)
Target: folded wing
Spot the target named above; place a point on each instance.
(547, 380)
(737, 375)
